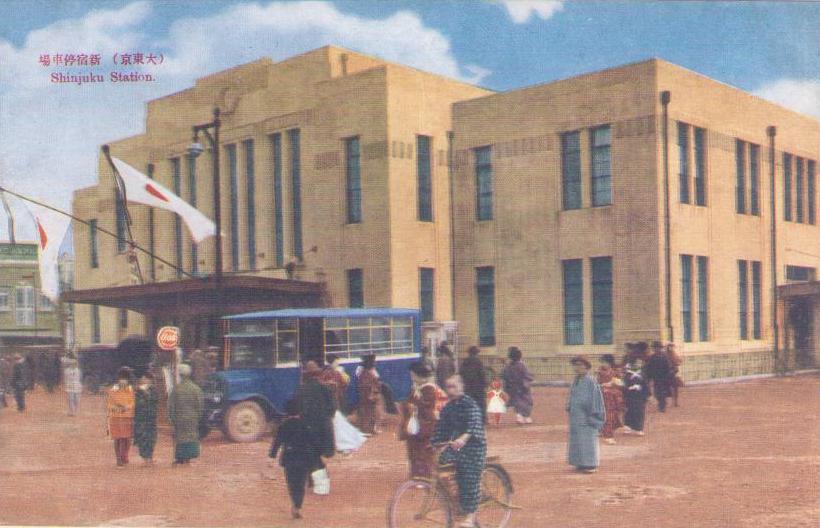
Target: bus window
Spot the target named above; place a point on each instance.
(251, 352)
(287, 341)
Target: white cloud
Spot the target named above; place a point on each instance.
(521, 11)
(801, 95)
(51, 133)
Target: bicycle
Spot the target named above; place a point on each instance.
(421, 501)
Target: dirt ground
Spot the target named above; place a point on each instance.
(736, 455)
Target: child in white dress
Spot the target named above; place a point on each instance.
(496, 402)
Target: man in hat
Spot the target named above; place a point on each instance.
(19, 382)
(659, 372)
(587, 416)
(185, 407)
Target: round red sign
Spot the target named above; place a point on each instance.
(168, 337)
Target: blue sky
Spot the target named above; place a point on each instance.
(766, 48)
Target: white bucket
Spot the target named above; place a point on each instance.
(321, 482)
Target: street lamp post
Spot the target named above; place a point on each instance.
(194, 150)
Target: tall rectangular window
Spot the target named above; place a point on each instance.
(192, 201)
(427, 294)
(353, 178)
(573, 274)
(296, 190)
(149, 171)
(250, 179)
(683, 162)
(740, 179)
(602, 300)
(703, 298)
(743, 297)
(787, 187)
(798, 189)
(754, 179)
(121, 221)
(686, 296)
(601, 166)
(355, 288)
(278, 216)
(700, 166)
(571, 170)
(233, 185)
(485, 289)
(756, 293)
(811, 192)
(123, 318)
(424, 183)
(176, 179)
(24, 306)
(95, 323)
(484, 183)
(93, 252)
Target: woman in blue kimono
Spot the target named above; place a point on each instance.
(586, 417)
(461, 427)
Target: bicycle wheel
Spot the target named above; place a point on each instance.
(495, 507)
(419, 503)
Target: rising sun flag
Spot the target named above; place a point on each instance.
(51, 230)
(139, 188)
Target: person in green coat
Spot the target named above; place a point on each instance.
(145, 418)
(185, 407)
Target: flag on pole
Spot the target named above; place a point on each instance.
(51, 230)
(139, 188)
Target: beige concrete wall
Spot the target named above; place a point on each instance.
(530, 234)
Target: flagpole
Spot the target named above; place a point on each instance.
(10, 217)
(100, 229)
(123, 197)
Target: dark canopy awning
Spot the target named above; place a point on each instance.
(201, 297)
(798, 289)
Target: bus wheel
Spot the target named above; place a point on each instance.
(245, 422)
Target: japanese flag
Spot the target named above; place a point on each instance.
(51, 230)
(139, 188)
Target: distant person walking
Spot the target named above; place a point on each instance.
(19, 382)
(121, 415)
(73, 384)
(294, 440)
(473, 373)
(517, 384)
(659, 372)
(446, 364)
(586, 418)
(369, 396)
(317, 406)
(636, 392)
(419, 418)
(185, 407)
(145, 418)
(200, 367)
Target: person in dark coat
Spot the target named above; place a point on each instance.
(370, 395)
(475, 379)
(317, 405)
(517, 384)
(145, 418)
(186, 404)
(30, 371)
(19, 382)
(636, 392)
(462, 428)
(446, 365)
(659, 372)
(294, 439)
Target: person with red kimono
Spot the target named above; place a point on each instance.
(369, 396)
(419, 418)
(613, 403)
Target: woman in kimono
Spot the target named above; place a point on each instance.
(145, 418)
(586, 417)
(461, 427)
(636, 393)
(369, 396)
(419, 418)
(613, 402)
(517, 383)
(120, 407)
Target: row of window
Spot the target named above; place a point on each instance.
(799, 206)
(572, 271)
(686, 266)
(24, 307)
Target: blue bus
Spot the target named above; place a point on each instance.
(264, 352)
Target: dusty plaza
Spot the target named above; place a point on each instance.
(740, 455)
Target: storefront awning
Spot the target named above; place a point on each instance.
(798, 289)
(202, 297)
